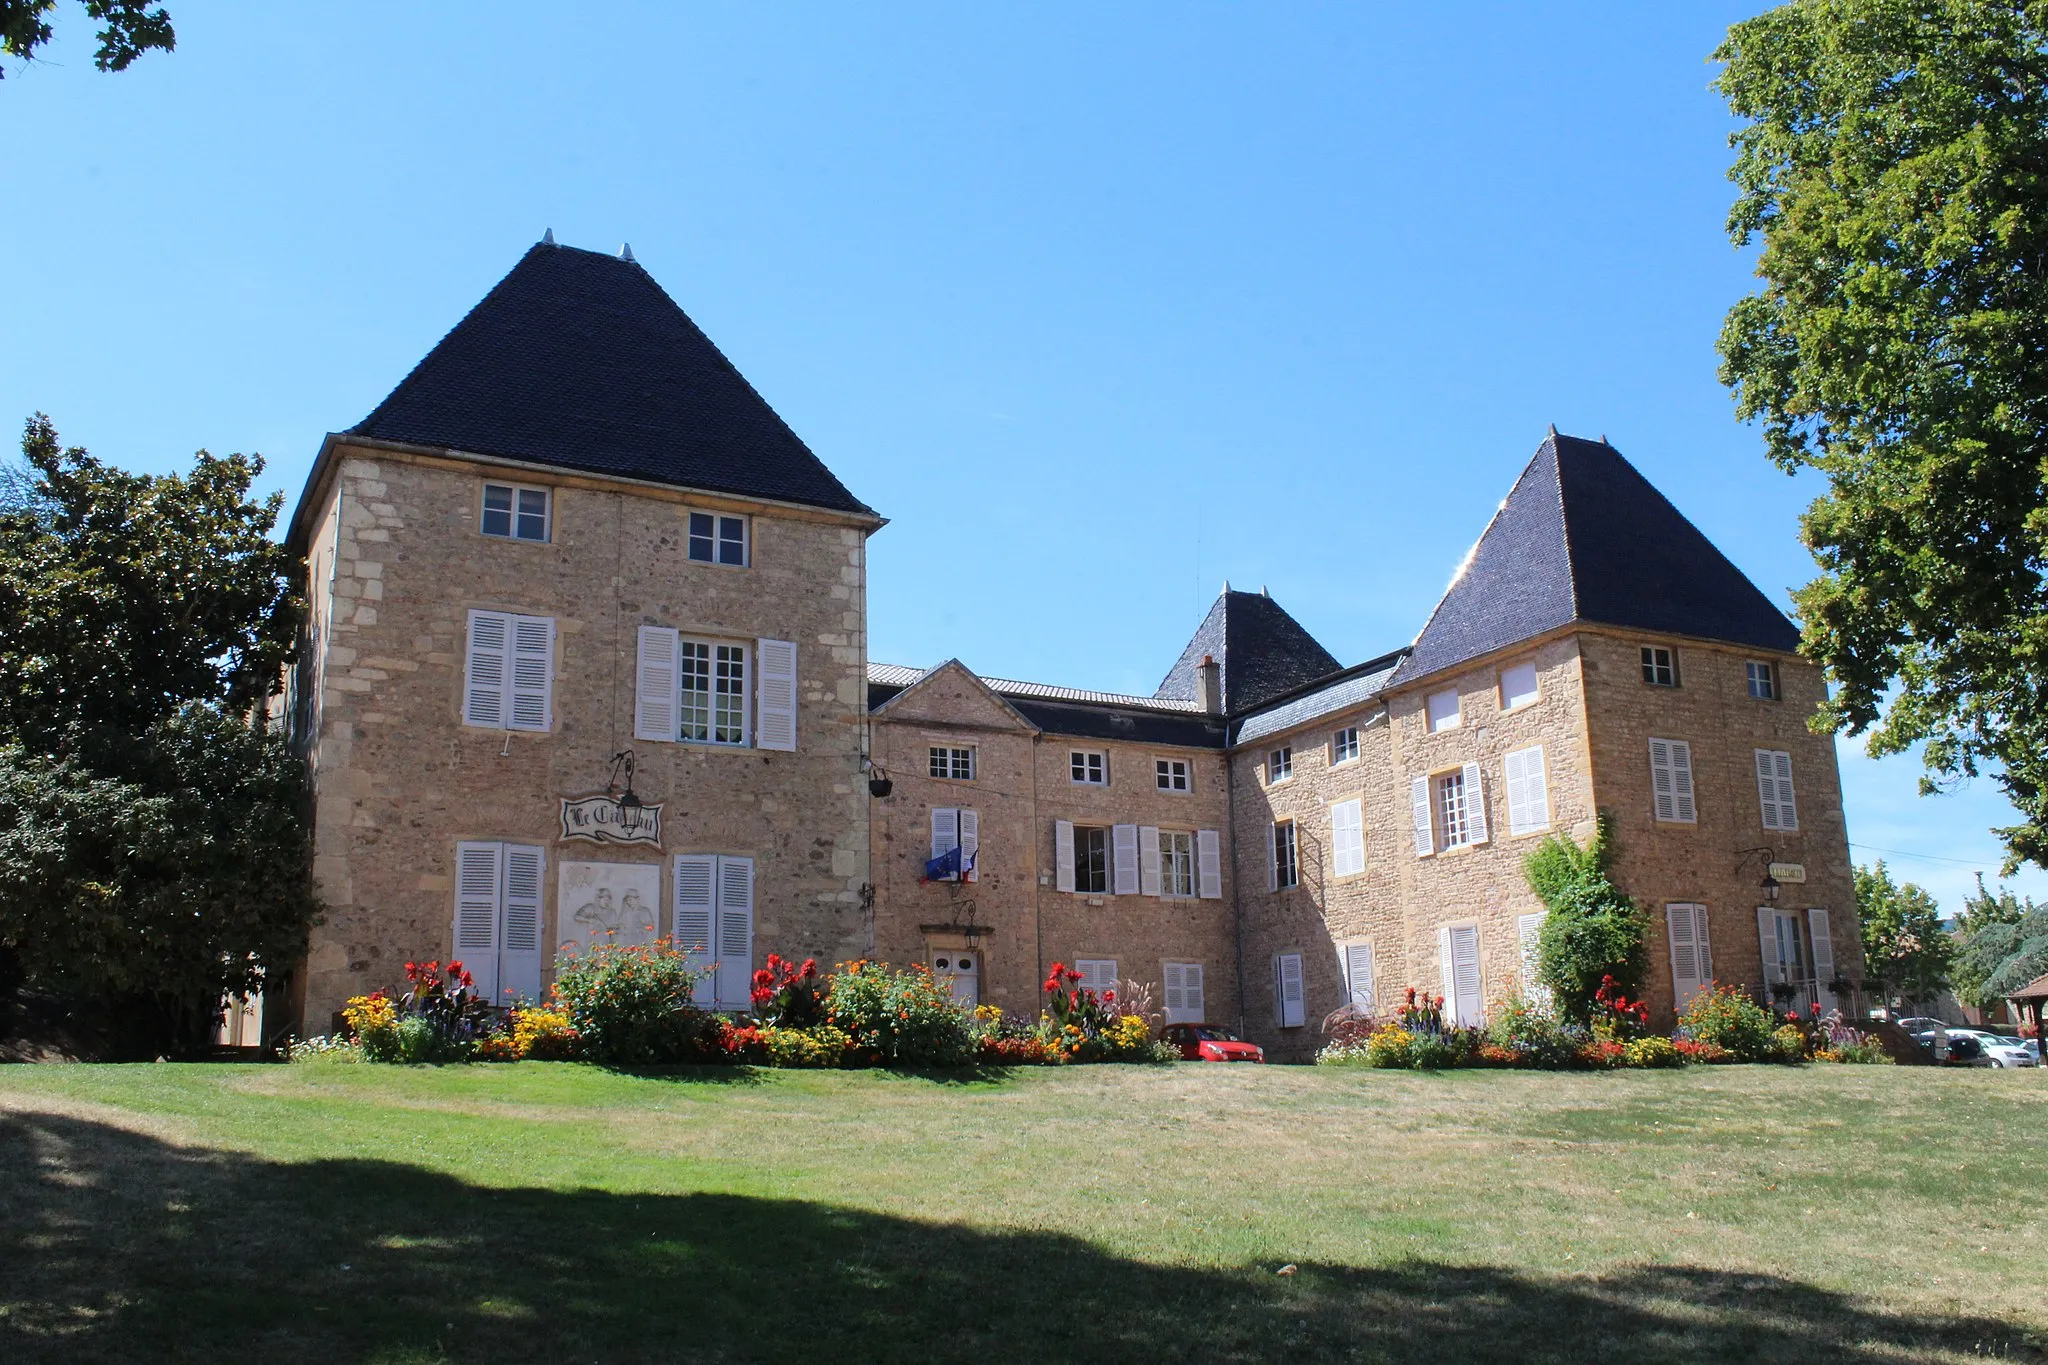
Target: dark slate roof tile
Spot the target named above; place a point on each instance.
(1261, 651)
(579, 360)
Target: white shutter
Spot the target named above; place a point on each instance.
(1273, 858)
(1528, 791)
(696, 907)
(654, 687)
(1063, 854)
(1475, 804)
(1767, 941)
(1418, 802)
(945, 834)
(1176, 996)
(1124, 845)
(486, 672)
(1289, 1007)
(1689, 970)
(1823, 957)
(1193, 1001)
(775, 694)
(1148, 860)
(1347, 837)
(970, 843)
(478, 882)
(1466, 1002)
(519, 936)
(1097, 974)
(533, 651)
(1671, 780)
(1358, 974)
(1774, 789)
(1529, 937)
(1209, 865)
(735, 932)
(1447, 984)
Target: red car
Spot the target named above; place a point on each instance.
(1204, 1043)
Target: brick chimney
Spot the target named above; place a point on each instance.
(1209, 685)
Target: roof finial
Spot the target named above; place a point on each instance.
(548, 238)
(626, 253)
(1553, 431)
(1226, 585)
(1263, 592)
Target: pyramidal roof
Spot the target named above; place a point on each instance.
(578, 359)
(1261, 652)
(1584, 537)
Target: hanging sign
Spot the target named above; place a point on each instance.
(1793, 873)
(602, 820)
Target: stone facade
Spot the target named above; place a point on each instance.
(397, 562)
(1013, 916)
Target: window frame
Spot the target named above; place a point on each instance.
(951, 761)
(713, 664)
(1341, 740)
(1769, 674)
(514, 514)
(1287, 874)
(719, 522)
(1535, 693)
(1338, 868)
(1163, 775)
(1652, 666)
(1279, 765)
(1430, 722)
(1108, 881)
(1076, 766)
(1178, 855)
(1441, 812)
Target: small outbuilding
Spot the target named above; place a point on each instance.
(2032, 997)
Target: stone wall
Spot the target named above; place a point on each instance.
(399, 779)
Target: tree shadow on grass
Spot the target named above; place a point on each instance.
(116, 1246)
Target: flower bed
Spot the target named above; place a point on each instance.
(635, 1006)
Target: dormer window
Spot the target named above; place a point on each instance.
(718, 540)
(1660, 666)
(514, 513)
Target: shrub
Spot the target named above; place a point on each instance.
(1532, 1034)
(1864, 1053)
(1693, 1050)
(1603, 1053)
(1789, 1043)
(373, 1018)
(819, 1046)
(335, 1047)
(1592, 931)
(788, 995)
(1390, 1046)
(899, 1018)
(1653, 1051)
(1726, 1018)
(634, 1006)
(538, 1033)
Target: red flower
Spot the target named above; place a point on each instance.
(1109, 997)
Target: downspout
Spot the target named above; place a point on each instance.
(1236, 881)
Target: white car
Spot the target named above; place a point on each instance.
(1999, 1049)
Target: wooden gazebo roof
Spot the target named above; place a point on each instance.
(2037, 989)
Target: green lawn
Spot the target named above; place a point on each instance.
(562, 1213)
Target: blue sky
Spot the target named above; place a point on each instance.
(1101, 305)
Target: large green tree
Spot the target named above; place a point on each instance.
(154, 845)
(128, 29)
(1906, 951)
(1989, 933)
(1893, 164)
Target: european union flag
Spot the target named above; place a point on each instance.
(948, 865)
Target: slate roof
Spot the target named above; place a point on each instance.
(1583, 536)
(1261, 651)
(1077, 711)
(1358, 686)
(577, 359)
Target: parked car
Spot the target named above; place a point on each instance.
(2005, 1050)
(1919, 1024)
(1977, 1047)
(1205, 1043)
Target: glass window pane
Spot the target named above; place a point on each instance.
(695, 691)
(701, 547)
(533, 514)
(732, 540)
(497, 510)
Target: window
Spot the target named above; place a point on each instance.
(515, 513)
(711, 687)
(1098, 974)
(1088, 768)
(1774, 788)
(1183, 982)
(714, 926)
(1344, 745)
(1347, 837)
(1692, 962)
(508, 674)
(1091, 860)
(1286, 869)
(1528, 791)
(956, 845)
(1290, 1008)
(1660, 666)
(956, 765)
(1798, 952)
(696, 690)
(1453, 828)
(1176, 863)
(1671, 781)
(497, 918)
(1449, 810)
(1458, 958)
(1280, 764)
(1356, 961)
(1443, 710)
(718, 540)
(1763, 681)
(1517, 686)
(1171, 774)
